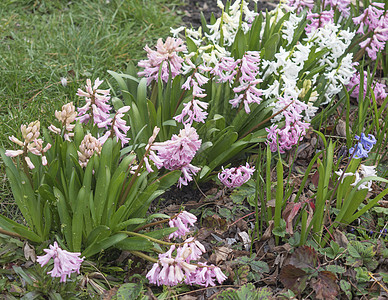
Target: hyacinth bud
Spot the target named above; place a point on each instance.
(88, 147)
(30, 132)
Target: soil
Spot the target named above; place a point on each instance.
(193, 8)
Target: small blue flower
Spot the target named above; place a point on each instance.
(367, 142)
(360, 151)
(364, 145)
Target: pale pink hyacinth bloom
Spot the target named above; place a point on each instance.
(226, 69)
(370, 17)
(319, 20)
(301, 4)
(88, 147)
(182, 221)
(235, 177)
(194, 110)
(343, 6)
(166, 55)
(32, 143)
(247, 92)
(96, 106)
(206, 275)
(66, 117)
(377, 87)
(171, 271)
(118, 127)
(177, 153)
(294, 129)
(65, 263)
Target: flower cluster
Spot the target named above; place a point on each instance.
(377, 87)
(319, 20)
(235, 177)
(363, 147)
(65, 263)
(32, 143)
(376, 21)
(182, 221)
(343, 6)
(66, 117)
(170, 270)
(229, 22)
(299, 5)
(165, 57)
(194, 109)
(96, 107)
(177, 153)
(88, 147)
(361, 173)
(293, 131)
(118, 127)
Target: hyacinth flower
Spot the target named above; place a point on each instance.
(177, 153)
(182, 221)
(300, 5)
(88, 147)
(376, 21)
(370, 17)
(378, 88)
(195, 110)
(66, 117)
(118, 127)
(362, 172)
(32, 143)
(283, 139)
(235, 177)
(170, 270)
(96, 107)
(343, 6)
(363, 147)
(165, 57)
(319, 20)
(65, 263)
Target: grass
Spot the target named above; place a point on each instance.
(42, 41)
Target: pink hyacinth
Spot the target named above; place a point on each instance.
(294, 129)
(226, 69)
(177, 153)
(96, 106)
(378, 88)
(195, 110)
(319, 20)
(182, 221)
(370, 17)
(206, 275)
(235, 177)
(166, 55)
(343, 6)
(301, 4)
(170, 270)
(119, 127)
(65, 263)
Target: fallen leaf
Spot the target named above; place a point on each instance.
(293, 278)
(29, 252)
(325, 286)
(304, 257)
(221, 254)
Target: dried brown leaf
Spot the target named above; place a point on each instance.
(304, 257)
(325, 286)
(293, 278)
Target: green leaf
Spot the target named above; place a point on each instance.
(78, 218)
(129, 291)
(99, 233)
(64, 216)
(270, 47)
(104, 244)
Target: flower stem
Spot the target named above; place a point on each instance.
(144, 256)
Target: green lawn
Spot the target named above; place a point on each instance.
(42, 41)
